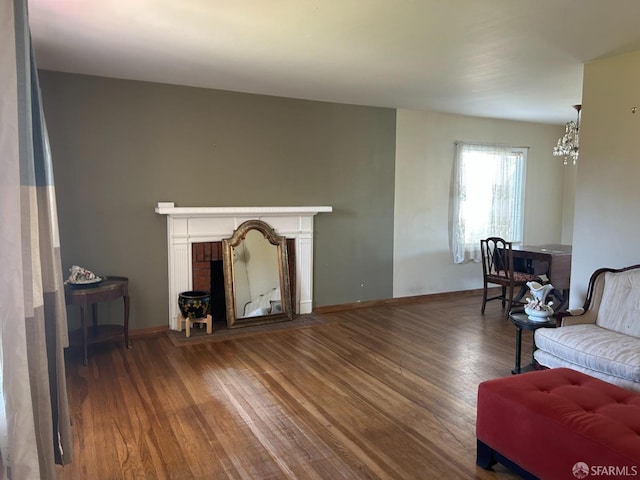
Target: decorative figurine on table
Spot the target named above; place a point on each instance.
(536, 307)
(82, 278)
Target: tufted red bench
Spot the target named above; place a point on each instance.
(558, 423)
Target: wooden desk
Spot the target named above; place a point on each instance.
(552, 260)
(111, 288)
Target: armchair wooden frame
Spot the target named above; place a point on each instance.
(592, 300)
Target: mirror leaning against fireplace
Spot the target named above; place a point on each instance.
(256, 276)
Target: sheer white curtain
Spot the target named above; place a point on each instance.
(34, 416)
(487, 197)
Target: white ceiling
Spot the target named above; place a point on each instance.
(514, 59)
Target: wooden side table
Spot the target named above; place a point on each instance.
(111, 288)
(522, 322)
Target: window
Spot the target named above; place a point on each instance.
(487, 197)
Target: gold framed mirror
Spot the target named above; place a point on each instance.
(256, 276)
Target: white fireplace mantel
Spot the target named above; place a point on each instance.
(188, 225)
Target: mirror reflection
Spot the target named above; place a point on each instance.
(256, 276)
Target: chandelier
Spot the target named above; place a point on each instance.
(568, 143)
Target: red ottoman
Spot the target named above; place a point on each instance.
(558, 423)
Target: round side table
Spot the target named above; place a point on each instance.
(522, 322)
(111, 288)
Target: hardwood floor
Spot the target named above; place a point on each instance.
(386, 392)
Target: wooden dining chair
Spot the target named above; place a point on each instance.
(497, 269)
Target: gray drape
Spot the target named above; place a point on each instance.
(34, 416)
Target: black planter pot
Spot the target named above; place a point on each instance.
(194, 304)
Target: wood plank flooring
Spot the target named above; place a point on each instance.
(386, 392)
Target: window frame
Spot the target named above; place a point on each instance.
(469, 249)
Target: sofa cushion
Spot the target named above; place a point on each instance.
(620, 304)
(593, 347)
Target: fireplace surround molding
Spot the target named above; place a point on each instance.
(189, 225)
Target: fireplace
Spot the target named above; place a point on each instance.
(192, 225)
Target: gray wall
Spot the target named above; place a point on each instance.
(121, 146)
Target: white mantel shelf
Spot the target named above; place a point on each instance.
(188, 225)
(169, 208)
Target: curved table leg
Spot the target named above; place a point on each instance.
(126, 321)
(83, 321)
(516, 370)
